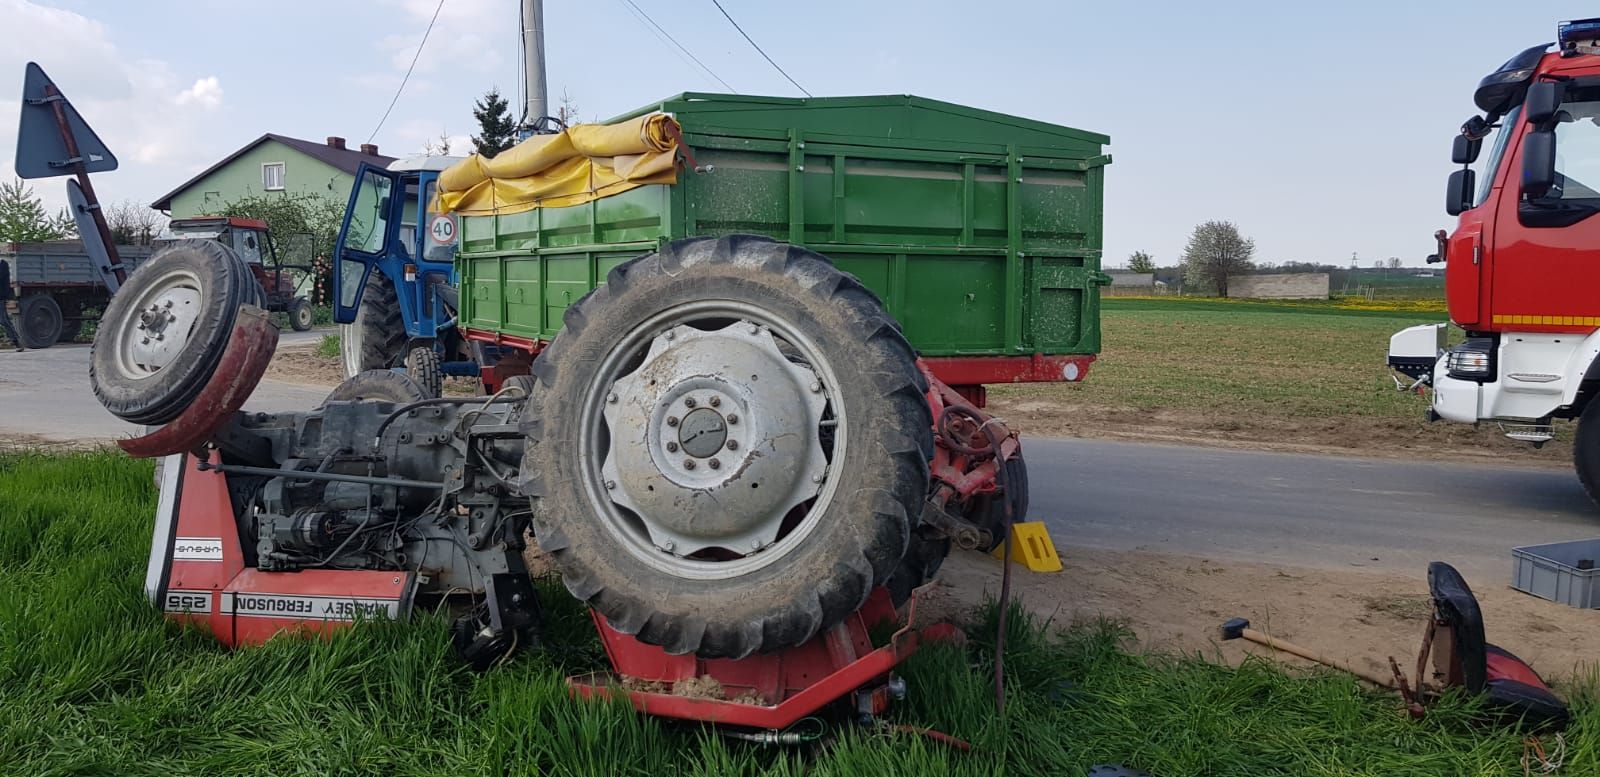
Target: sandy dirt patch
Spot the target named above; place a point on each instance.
(1177, 603)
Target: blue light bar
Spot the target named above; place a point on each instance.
(1580, 36)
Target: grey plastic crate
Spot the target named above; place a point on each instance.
(1551, 572)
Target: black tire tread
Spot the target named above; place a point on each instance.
(1586, 450)
(422, 364)
(383, 329)
(28, 310)
(378, 386)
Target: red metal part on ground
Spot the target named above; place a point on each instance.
(244, 361)
(1038, 368)
(791, 684)
(207, 583)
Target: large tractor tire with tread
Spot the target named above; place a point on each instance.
(39, 321)
(422, 364)
(1586, 450)
(728, 446)
(376, 340)
(164, 332)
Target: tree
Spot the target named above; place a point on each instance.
(498, 130)
(132, 223)
(440, 147)
(304, 228)
(567, 112)
(1216, 252)
(23, 218)
(1394, 262)
(1140, 261)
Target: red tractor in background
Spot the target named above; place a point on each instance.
(1523, 262)
(252, 241)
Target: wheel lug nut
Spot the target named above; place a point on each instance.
(672, 420)
(816, 478)
(672, 447)
(610, 484)
(733, 445)
(716, 401)
(612, 398)
(733, 418)
(668, 546)
(688, 402)
(688, 463)
(815, 387)
(714, 464)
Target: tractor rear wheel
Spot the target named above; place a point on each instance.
(728, 447)
(378, 386)
(1586, 450)
(377, 338)
(165, 330)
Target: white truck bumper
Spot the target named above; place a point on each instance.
(1527, 376)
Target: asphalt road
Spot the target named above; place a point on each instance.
(46, 393)
(1332, 512)
(1302, 510)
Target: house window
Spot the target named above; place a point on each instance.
(272, 176)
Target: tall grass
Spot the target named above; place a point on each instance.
(93, 681)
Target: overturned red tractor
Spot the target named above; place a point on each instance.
(743, 344)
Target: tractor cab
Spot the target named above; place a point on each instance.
(252, 240)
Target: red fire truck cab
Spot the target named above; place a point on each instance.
(1522, 266)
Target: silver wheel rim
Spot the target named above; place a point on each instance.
(706, 441)
(164, 316)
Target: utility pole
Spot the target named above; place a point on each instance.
(535, 96)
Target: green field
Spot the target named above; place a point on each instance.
(1295, 373)
(94, 682)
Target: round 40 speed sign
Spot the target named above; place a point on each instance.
(442, 229)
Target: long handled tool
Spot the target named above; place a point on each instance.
(1238, 628)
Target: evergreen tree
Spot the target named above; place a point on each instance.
(23, 218)
(497, 128)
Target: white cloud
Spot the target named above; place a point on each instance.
(161, 132)
(206, 92)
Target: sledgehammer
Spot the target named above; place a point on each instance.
(1239, 627)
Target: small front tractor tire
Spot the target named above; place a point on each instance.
(164, 332)
(301, 314)
(728, 446)
(422, 364)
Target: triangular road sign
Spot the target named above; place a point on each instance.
(41, 149)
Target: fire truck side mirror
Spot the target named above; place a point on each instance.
(1458, 192)
(1544, 99)
(1464, 150)
(1538, 163)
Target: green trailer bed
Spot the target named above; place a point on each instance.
(980, 231)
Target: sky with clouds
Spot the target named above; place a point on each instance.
(1322, 129)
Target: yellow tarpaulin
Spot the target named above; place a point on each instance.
(582, 163)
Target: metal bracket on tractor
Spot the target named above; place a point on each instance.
(774, 690)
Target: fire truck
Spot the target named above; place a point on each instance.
(1523, 262)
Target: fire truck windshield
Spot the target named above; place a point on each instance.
(1491, 163)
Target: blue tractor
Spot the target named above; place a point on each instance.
(395, 281)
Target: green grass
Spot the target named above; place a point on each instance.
(94, 681)
(328, 347)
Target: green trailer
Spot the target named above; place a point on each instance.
(979, 231)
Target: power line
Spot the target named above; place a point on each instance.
(680, 46)
(757, 48)
(413, 66)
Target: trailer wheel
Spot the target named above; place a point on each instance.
(165, 330)
(378, 386)
(422, 364)
(728, 446)
(377, 338)
(40, 321)
(300, 314)
(1586, 451)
